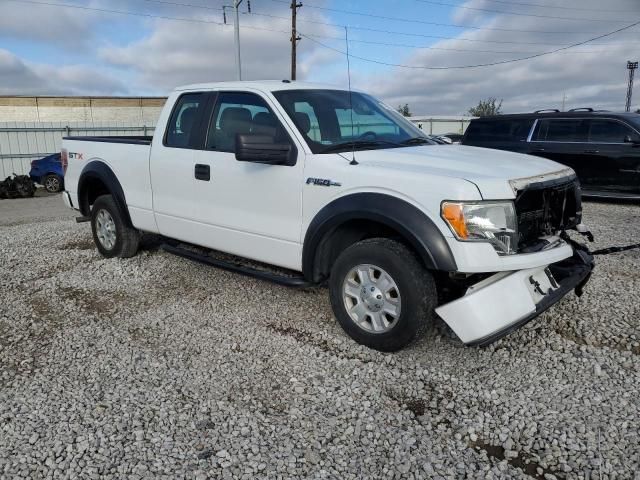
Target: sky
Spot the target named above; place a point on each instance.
(426, 53)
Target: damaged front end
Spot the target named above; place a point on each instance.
(502, 302)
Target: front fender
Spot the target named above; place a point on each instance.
(410, 223)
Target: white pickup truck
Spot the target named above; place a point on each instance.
(334, 187)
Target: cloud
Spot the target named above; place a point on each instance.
(100, 53)
(26, 78)
(593, 75)
(177, 53)
(67, 27)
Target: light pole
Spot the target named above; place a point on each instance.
(631, 66)
(236, 30)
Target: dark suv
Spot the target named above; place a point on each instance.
(602, 147)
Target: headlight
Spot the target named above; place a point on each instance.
(493, 222)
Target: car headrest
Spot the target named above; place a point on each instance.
(264, 119)
(235, 120)
(187, 118)
(303, 122)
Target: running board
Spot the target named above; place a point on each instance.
(295, 282)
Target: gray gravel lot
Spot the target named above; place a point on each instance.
(43, 207)
(154, 367)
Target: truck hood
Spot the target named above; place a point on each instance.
(490, 170)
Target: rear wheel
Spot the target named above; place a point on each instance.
(381, 294)
(111, 234)
(52, 183)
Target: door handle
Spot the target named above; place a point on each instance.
(592, 151)
(202, 172)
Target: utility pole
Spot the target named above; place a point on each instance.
(294, 36)
(564, 99)
(631, 66)
(236, 30)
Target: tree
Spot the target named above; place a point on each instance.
(638, 110)
(486, 107)
(404, 110)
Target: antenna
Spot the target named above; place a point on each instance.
(353, 145)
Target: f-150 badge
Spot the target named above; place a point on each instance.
(323, 182)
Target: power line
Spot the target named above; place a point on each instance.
(140, 14)
(428, 47)
(425, 22)
(317, 22)
(195, 20)
(120, 12)
(441, 37)
(395, 32)
(504, 12)
(179, 4)
(473, 27)
(502, 62)
(540, 5)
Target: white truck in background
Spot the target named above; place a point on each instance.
(339, 189)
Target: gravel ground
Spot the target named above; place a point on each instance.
(154, 367)
(43, 207)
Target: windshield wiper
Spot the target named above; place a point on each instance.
(416, 141)
(358, 144)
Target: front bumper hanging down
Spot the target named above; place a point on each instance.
(505, 301)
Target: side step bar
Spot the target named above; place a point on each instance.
(295, 282)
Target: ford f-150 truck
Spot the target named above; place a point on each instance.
(333, 187)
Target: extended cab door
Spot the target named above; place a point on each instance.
(172, 165)
(247, 209)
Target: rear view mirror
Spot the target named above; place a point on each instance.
(258, 148)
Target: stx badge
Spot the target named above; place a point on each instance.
(77, 156)
(323, 182)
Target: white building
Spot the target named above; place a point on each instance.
(441, 124)
(133, 110)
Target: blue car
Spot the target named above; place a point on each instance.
(48, 172)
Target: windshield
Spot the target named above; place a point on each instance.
(324, 117)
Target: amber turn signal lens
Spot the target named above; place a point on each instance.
(453, 213)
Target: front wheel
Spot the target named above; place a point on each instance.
(111, 234)
(381, 294)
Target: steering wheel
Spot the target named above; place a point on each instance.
(370, 134)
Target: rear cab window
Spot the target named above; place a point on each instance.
(184, 120)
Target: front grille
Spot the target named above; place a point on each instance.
(545, 208)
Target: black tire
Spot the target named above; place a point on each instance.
(127, 238)
(52, 183)
(416, 292)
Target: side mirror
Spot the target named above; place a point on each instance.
(257, 148)
(635, 142)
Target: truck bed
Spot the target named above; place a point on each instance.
(128, 159)
(132, 139)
